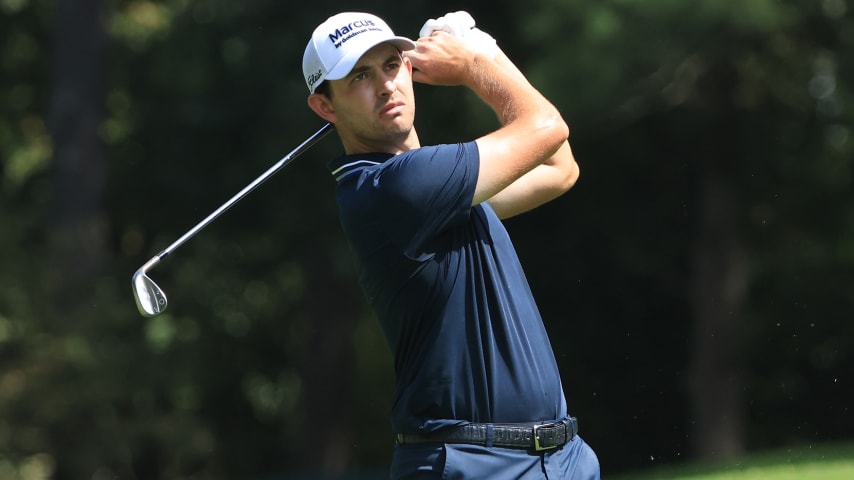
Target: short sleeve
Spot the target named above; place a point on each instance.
(424, 192)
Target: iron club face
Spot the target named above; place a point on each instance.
(150, 299)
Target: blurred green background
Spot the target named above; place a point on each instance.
(697, 283)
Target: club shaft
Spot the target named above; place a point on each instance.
(246, 190)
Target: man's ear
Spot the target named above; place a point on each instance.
(322, 106)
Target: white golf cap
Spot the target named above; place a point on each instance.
(338, 43)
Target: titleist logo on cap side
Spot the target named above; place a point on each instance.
(342, 34)
(314, 77)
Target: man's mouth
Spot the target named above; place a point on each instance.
(392, 108)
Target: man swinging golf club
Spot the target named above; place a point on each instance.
(478, 393)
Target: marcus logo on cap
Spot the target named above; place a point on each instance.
(350, 30)
(338, 43)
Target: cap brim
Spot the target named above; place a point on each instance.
(346, 64)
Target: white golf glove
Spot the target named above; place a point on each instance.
(461, 25)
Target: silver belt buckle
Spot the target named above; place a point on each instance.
(537, 445)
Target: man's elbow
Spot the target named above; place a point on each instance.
(559, 133)
(567, 168)
(572, 176)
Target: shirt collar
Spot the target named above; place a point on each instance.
(346, 165)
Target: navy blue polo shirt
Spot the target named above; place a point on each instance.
(449, 292)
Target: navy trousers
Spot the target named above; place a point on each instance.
(573, 461)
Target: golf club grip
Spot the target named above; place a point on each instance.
(247, 189)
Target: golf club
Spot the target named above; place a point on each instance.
(150, 299)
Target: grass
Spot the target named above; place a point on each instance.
(824, 462)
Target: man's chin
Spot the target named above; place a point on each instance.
(399, 129)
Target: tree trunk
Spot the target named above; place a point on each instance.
(720, 275)
(78, 223)
(326, 368)
(77, 236)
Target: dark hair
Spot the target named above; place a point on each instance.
(324, 89)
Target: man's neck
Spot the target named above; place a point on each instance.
(354, 146)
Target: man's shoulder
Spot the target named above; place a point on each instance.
(461, 148)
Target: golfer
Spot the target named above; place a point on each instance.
(477, 391)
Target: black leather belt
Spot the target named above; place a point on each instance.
(534, 436)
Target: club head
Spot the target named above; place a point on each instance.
(150, 299)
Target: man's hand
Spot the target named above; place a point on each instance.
(461, 25)
(447, 50)
(442, 59)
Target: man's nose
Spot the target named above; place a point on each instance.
(387, 84)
